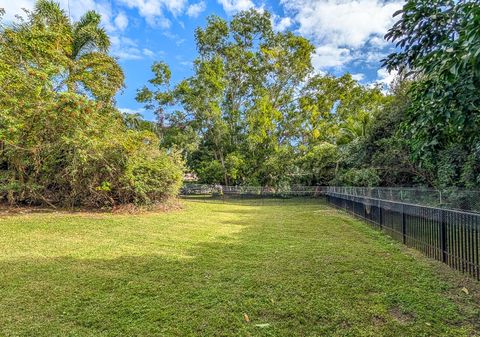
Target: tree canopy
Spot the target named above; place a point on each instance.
(439, 45)
(254, 108)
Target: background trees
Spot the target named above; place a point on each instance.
(254, 109)
(257, 113)
(253, 112)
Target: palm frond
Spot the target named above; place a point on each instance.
(89, 36)
(49, 13)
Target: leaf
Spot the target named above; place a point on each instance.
(263, 325)
(465, 290)
(397, 13)
(246, 318)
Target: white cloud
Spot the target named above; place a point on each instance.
(330, 56)
(346, 27)
(281, 24)
(340, 22)
(13, 8)
(174, 37)
(154, 10)
(386, 78)
(121, 21)
(358, 77)
(125, 48)
(148, 52)
(233, 6)
(194, 10)
(378, 41)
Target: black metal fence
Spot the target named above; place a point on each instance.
(420, 218)
(447, 198)
(252, 192)
(450, 236)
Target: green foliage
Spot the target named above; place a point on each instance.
(319, 164)
(440, 46)
(151, 175)
(61, 141)
(211, 172)
(157, 99)
(239, 104)
(254, 112)
(358, 177)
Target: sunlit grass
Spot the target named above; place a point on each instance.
(295, 268)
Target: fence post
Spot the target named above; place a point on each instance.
(404, 225)
(380, 212)
(443, 236)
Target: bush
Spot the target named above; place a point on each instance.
(151, 176)
(77, 153)
(358, 177)
(61, 140)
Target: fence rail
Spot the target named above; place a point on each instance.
(447, 198)
(253, 191)
(450, 236)
(444, 225)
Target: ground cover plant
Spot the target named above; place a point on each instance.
(233, 268)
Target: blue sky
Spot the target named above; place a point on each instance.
(347, 34)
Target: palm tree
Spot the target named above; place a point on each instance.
(354, 127)
(135, 121)
(91, 70)
(132, 120)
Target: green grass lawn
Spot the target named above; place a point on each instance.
(295, 268)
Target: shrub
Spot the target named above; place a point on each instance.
(151, 176)
(77, 153)
(358, 177)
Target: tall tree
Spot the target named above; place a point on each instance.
(439, 45)
(241, 99)
(90, 69)
(260, 113)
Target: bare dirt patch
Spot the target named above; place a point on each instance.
(400, 316)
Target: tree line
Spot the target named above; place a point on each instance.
(254, 111)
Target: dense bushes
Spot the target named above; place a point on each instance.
(83, 155)
(62, 142)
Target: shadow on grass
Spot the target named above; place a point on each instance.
(306, 279)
